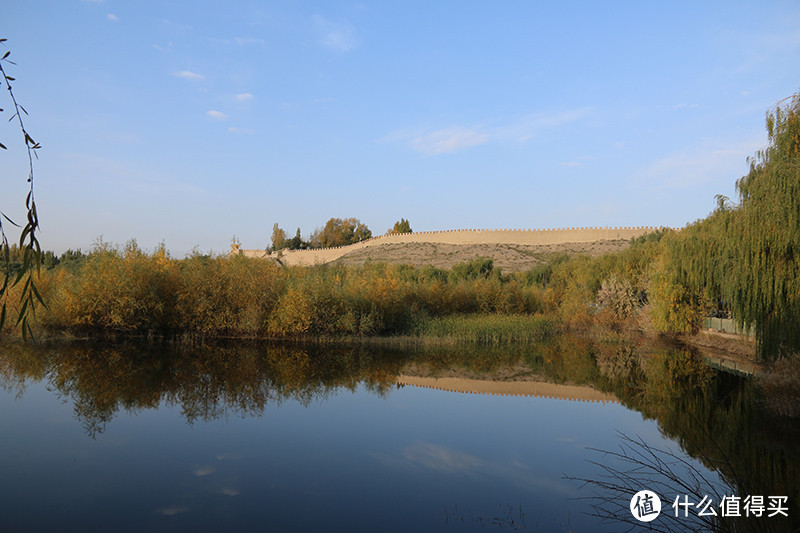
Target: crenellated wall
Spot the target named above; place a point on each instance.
(459, 236)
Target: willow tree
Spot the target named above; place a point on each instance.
(761, 255)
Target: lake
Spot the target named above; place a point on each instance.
(262, 437)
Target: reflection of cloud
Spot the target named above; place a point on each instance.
(440, 457)
(339, 36)
(226, 456)
(204, 471)
(227, 491)
(188, 75)
(450, 461)
(172, 511)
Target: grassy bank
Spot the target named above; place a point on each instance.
(489, 329)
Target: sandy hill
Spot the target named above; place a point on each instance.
(512, 250)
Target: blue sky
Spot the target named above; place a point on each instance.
(189, 122)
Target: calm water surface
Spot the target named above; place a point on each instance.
(265, 438)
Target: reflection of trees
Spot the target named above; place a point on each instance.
(207, 383)
(714, 416)
(18, 365)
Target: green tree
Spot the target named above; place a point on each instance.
(401, 226)
(28, 241)
(340, 232)
(296, 242)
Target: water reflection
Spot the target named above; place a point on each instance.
(714, 416)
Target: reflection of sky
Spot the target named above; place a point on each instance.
(449, 460)
(440, 458)
(407, 456)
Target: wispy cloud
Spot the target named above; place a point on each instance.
(447, 140)
(336, 35)
(534, 124)
(244, 97)
(703, 165)
(216, 115)
(241, 131)
(247, 41)
(128, 175)
(188, 75)
(112, 17)
(176, 25)
(452, 139)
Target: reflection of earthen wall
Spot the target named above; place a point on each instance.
(539, 389)
(460, 236)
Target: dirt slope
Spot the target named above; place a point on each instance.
(508, 257)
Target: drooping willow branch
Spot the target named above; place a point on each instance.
(28, 241)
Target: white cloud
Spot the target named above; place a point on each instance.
(188, 75)
(244, 97)
(339, 36)
(571, 164)
(112, 17)
(216, 115)
(241, 131)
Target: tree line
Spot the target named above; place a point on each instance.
(335, 232)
